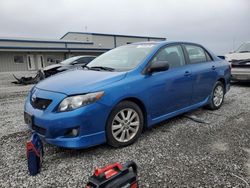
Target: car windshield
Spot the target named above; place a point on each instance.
(122, 58)
(244, 48)
(69, 60)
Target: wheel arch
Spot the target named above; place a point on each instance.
(141, 106)
(223, 81)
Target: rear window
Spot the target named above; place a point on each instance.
(197, 54)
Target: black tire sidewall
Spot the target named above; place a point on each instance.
(123, 105)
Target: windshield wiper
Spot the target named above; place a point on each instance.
(101, 67)
(86, 66)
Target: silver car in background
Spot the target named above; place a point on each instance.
(240, 63)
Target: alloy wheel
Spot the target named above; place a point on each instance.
(218, 95)
(125, 125)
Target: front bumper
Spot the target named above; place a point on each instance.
(240, 74)
(53, 126)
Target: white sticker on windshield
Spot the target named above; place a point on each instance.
(145, 46)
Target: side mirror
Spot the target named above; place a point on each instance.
(221, 56)
(158, 66)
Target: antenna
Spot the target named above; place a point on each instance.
(234, 38)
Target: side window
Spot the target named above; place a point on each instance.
(172, 54)
(81, 61)
(85, 60)
(209, 58)
(91, 58)
(196, 54)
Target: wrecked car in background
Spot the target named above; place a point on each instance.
(70, 63)
(240, 62)
(29, 80)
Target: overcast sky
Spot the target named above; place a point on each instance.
(218, 24)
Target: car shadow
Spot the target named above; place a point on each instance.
(163, 126)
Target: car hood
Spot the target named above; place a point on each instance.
(237, 56)
(79, 81)
(52, 67)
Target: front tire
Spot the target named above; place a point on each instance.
(217, 96)
(124, 125)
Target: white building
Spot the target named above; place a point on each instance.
(19, 54)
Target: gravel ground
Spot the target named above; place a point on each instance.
(176, 153)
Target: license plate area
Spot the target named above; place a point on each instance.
(28, 119)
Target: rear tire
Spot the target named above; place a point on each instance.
(217, 96)
(124, 125)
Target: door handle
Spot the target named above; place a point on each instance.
(213, 67)
(187, 73)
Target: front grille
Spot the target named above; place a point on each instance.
(40, 103)
(39, 130)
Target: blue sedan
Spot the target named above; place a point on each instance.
(125, 90)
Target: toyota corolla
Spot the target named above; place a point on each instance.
(125, 90)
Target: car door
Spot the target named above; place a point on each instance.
(203, 72)
(169, 90)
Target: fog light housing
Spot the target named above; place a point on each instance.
(74, 132)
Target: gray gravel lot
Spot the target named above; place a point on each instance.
(176, 153)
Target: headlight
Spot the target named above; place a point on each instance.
(71, 103)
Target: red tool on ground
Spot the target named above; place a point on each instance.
(34, 151)
(115, 176)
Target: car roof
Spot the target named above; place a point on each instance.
(163, 42)
(160, 44)
(80, 56)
